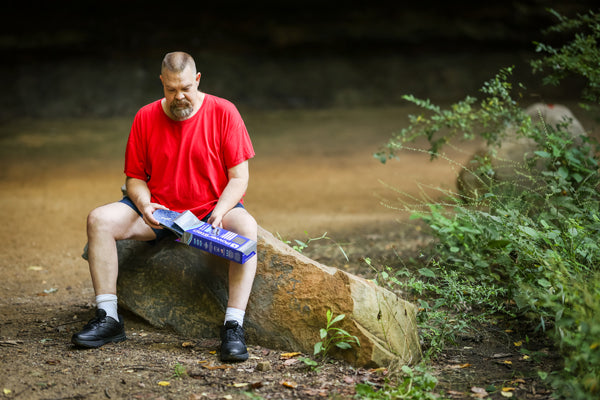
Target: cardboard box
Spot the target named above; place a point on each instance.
(201, 235)
(220, 242)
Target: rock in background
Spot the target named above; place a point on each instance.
(510, 164)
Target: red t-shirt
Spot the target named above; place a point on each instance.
(185, 163)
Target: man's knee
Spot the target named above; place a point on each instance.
(240, 221)
(114, 218)
(98, 217)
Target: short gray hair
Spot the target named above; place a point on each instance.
(177, 61)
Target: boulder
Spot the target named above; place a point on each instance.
(171, 284)
(510, 163)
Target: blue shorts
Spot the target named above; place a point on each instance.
(161, 233)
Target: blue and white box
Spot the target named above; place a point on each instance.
(204, 236)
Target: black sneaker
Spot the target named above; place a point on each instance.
(99, 331)
(233, 343)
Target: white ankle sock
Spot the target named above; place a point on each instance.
(234, 314)
(108, 303)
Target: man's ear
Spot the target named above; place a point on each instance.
(198, 75)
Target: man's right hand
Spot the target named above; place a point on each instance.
(147, 212)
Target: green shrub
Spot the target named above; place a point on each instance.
(576, 309)
(541, 244)
(415, 384)
(446, 300)
(580, 56)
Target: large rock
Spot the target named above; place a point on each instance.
(171, 284)
(511, 163)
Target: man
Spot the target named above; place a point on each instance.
(187, 151)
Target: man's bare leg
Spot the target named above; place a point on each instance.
(241, 279)
(241, 276)
(106, 225)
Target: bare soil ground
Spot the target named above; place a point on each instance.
(313, 173)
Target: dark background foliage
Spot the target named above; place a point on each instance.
(95, 59)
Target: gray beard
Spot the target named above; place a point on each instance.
(181, 113)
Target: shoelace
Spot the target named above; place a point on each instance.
(232, 334)
(94, 322)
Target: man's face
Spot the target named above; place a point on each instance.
(181, 92)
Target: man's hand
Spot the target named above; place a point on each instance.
(138, 192)
(147, 212)
(216, 220)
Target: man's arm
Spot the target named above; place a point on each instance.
(138, 192)
(233, 193)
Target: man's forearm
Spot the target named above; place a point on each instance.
(138, 192)
(232, 194)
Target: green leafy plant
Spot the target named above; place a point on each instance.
(576, 324)
(579, 57)
(179, 371)
(334, 337)
(415, 384)
(312, 364)
(463, 120)
(300, 246)
(446, 301)
(539, 246)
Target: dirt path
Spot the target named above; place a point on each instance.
(314, 173)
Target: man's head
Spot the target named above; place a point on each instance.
(180, 83)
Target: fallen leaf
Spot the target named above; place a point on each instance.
(508, 389)
(382, 370)
(507, 362)
(525, 357)
(290, 361)
(349, 379)
(10, 342)
(187, 344)
(457, 366)
(289, 384)
(164, 383)
(594, 345)
(239, 385)
(315, 392)
(35, 268)
(290, 355)
(213, 352)
(7, 391)
(213, 367)
(508, 330)
(506, 394)
(519, 343)
(52, 362)
(518, 380)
